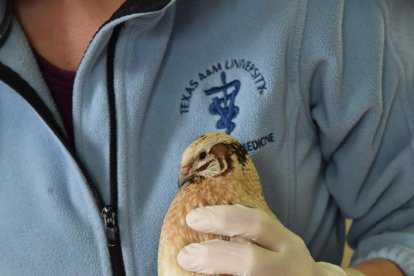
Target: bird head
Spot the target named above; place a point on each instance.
(210, 155)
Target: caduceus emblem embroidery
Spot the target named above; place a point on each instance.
(225, 106)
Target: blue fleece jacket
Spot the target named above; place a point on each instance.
(319, 92)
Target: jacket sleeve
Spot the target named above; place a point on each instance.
(357, 75)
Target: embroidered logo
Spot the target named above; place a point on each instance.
(231, 73)
(225, 106)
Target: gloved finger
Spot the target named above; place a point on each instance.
(238, 220)
(223, 257)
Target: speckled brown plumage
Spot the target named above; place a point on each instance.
(229, 178)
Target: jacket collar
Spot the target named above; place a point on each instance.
(139, 6)
(127, 8)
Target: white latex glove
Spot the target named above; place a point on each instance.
(273, 250)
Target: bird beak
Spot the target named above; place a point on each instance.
(184, 176)
(181, 181)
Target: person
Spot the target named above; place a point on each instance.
(98, 99)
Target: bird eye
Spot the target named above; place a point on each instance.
(202, 155)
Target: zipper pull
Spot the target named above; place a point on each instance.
(111, 228)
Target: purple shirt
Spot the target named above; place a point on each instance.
(60, 83)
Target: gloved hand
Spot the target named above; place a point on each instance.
(272, 250)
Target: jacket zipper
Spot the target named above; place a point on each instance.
(108, 212)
